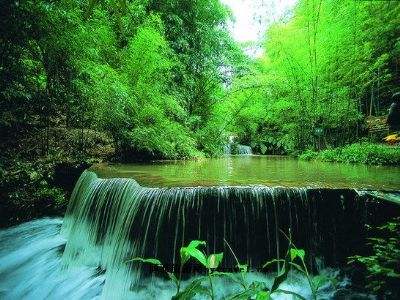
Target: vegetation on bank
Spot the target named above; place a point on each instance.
(38, 173)
(380, 270)
(366, 153)
(30, 190)
(27, 192)
(148, 73)
(324, 70)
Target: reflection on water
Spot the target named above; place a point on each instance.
(256, 170)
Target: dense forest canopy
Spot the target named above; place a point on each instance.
(165, 79)
(331, 65)
(149, 73)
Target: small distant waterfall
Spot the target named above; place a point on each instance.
(244, 150)
(227, 149)
(112, 220)
(232, 148)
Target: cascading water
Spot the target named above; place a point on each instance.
(31, 265)
(244, 150)
(111, 220)
(233, 148)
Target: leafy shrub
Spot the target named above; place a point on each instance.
(27, 192)
(210, 140)
(383, 265)
(367, 153)
(309, 155)
(163, 140)
(294, 259)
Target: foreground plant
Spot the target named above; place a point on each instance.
(254, 290)
(383, 265)
(210, 263)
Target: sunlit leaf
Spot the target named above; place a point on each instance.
(263, 295)
(192, 251)
(214, 260)
(294, 253)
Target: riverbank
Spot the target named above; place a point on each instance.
(364, 153)
(38, 170)
(31, 190)
(36, 183)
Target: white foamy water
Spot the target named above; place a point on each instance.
(31, 267)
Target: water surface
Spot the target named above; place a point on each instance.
(255, 170)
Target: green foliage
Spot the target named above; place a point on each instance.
(309, 155)
(322, 71)
(186, 253)
(253, 290)
(27, 191)
(148, 73)
(151, 261)
(192, 251)
(367, 153)
(383, 265)
(166, 80)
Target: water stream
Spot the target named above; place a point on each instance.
(245, 170)
(32, 267)
(110, 220)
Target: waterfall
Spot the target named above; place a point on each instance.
(232, 148)
(110, 221)
(244, 150)
(31, 267)
(227, 149)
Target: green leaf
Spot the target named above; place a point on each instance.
(298, 267)
(282, 276)
(272, 262)
(242, 268)
(192, 251)
(297, 253)
(248, 293)
(243, 295)
(320, 280)
(214, 260)
(151, 261)
(263, 295)
(173, 278)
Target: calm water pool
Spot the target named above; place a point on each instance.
(255, 170)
